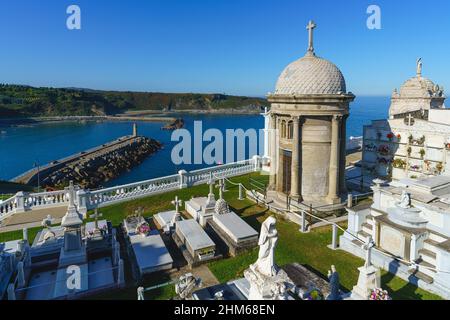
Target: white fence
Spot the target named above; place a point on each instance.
(87, 200)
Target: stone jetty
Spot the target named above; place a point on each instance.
(91, 168)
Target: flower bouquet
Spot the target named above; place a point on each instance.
(143, 229)
(314, 294)
(390, 136)
(379, 294)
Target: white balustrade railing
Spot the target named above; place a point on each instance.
(100, 198)
(8, 207)
(223, 171)
(87, 200)
(46, 199)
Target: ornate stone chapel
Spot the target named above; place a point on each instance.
(309, 109)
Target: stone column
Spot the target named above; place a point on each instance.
(333, 185)
(279, 161)
(343, 184)
(273, 154)
(295, 166)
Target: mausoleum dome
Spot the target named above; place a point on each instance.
(417, 87)
(417, 93)
(310, 75)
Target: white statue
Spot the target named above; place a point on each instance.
(419, 67)
(49, 233)
(267, 242)
(405, 200)
(266, 280)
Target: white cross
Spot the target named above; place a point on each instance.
(410, 118)
(177, 203)
(96, 215)
(310, 27)
(139, 211)
(369, 244)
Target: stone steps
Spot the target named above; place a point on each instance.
(424, 267)
(369, 220)
(364, 236)
(430, 244)
(428, 256)
(437, 237)
(422, 276)
(367, 228)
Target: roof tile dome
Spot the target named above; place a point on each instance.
(311, 75)
(417, 93)
(417, 87)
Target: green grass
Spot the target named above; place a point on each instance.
(14, 235)
(5, 196)
(310, 249)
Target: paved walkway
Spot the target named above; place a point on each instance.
(30, 219)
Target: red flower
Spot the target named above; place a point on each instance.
(390, 135)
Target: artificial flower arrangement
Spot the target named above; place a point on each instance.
(399, 136)
(383, 149)
(382, 160)
(314, 294)
(399, 163)
(143, 229)
(103, 229)
(379, 294)
(390, 136)
(422, 153)
(447, 145)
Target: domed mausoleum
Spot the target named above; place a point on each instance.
(309, 109)
(416, 96)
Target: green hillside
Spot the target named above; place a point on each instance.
(25, 101)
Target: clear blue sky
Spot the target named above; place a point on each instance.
(227, 46)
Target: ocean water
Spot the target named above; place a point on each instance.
(21, 147)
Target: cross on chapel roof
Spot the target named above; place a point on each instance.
(310, 27)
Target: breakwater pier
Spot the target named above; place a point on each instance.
(91, 167)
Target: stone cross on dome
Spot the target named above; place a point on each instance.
(310, 27)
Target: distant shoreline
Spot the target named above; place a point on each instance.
(144, 115)
(52, 119)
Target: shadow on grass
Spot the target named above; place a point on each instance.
(407, 291)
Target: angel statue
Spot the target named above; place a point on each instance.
(267, 242)
(419, 67)
(405, 200)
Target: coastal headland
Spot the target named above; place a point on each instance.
(92, 167)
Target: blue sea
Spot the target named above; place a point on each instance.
(23, 146)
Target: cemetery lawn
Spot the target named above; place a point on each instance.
(309, 249)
